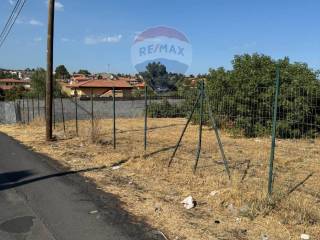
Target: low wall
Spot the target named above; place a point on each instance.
(24, 110)
(8, 112)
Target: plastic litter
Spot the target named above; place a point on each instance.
(188, 202)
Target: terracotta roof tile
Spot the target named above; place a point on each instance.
(103, 83)
(11, 80)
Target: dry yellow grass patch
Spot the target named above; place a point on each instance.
(151, 191)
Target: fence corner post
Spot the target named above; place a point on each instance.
(274, 126)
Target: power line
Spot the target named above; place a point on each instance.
(19, 5)
(10, 18)
(14, 20)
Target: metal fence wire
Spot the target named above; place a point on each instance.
(240, 113)
(152, 123)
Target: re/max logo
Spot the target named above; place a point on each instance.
(161, 48)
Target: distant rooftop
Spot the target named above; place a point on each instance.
(11, 80)
(102, 83)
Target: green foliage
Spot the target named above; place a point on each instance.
(159, 79)
(165, 109)
(15, 93)
(84, 71)
(62, 72)
(4, 75)
(38, 84)
(245, 94)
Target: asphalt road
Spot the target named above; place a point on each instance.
(40, 200)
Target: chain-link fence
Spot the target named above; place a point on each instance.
(188, 127)
(240, 114)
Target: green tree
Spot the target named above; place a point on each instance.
(84, 71)
(38, 83)
(4, 75)
(15, 93)
(62, 72)
(157, 77)
(242, 98)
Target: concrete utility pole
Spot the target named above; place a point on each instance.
(49, 82)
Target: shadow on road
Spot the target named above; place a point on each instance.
(10, 180)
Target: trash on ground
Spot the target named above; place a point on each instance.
(305, 237)
(188, 202)
(115, 167)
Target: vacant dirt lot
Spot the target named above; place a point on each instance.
(225, 210)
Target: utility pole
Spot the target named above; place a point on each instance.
(49, 80)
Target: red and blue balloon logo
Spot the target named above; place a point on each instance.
(162, 44)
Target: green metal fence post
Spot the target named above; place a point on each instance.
(38, 99)
(23, 111)
(274, 126)
(28, 110)
(145, 116)
(32, 101)
(62, 111)
(200, 127)
(184, 130)
(215, 128)
(114, 116)
(76, 106)
(92, 114)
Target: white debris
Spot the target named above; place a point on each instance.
(188, 202)
(305, 237)
(94, 212)
(213, 193)
(115, 167)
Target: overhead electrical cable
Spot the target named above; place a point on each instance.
(11, 21)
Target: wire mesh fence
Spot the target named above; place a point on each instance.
(246, 113)
(240, 114)
(151, 124)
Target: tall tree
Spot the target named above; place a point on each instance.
(157, 77)
(245, 94)
(38, 83)
(62, 72)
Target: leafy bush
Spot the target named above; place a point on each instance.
(245, 96)
(165, 109)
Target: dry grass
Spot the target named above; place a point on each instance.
(151, 191)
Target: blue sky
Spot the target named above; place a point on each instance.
(92, 34)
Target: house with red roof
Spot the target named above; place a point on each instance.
(99, 87)
(8, 84)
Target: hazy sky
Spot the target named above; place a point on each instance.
(92, 34)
